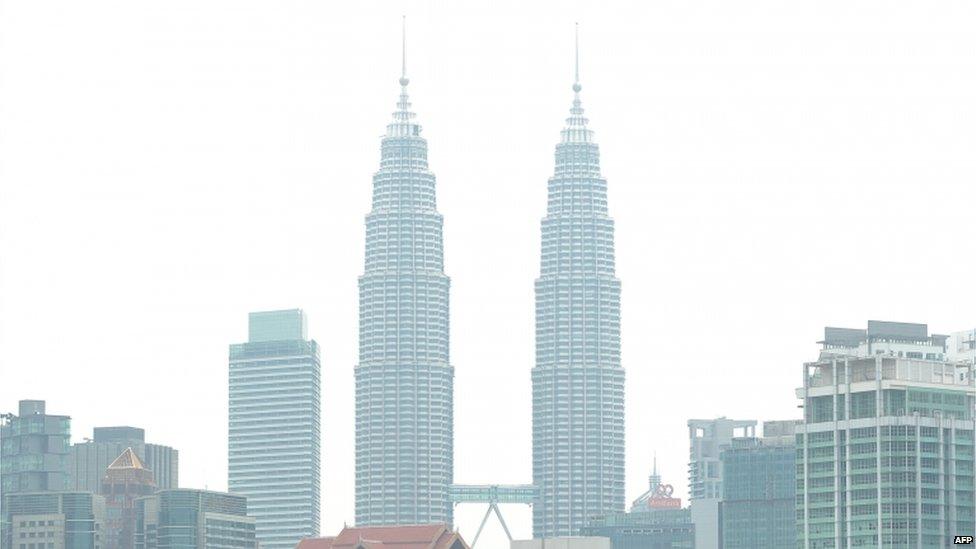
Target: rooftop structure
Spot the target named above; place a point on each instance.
(656, 521)
(88, 460)
(884, 338)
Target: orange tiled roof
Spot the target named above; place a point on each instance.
(424, 536)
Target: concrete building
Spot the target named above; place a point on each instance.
(758, 506)
(34, 450)
(274, 424)
(126, 480)
(423, 536)
(656, 521)
(51, 520)
(404, 378)
(565, 542)
(193, 519)
(89, 460)
(886, 454)
(708, 438)
(578, 380)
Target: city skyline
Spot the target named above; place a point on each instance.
(649, 341)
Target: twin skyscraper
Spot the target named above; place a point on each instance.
(404, 441)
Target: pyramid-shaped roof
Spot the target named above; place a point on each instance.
(127, 460)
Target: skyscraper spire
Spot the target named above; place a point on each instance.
(576, 82)
(403, 50)
(576, 130)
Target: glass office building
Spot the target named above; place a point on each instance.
(758, 509)
(34, 450)
(577, 381)
(274, 427)
(89, 460)
(52, 520)
(886, 453)
(404, 379)
(193, 519)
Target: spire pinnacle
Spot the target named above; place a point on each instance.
(576, 83)
(403, 50)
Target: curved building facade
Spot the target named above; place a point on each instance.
(578, 381)
(404, 380)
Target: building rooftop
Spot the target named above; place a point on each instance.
(424, 536)
(290, 324)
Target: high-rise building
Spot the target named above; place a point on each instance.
(126, 480)
(34, 450)
(51, 520)
(708, 438)
(886, 454)
(577, 381)
(274, 427)
(89, 460)
(193, 519)
(656, 521)
(404, 379)
(758, 506)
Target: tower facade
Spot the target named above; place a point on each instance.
(274, 437)
(404, 379)
(577, 382)
(126, 479)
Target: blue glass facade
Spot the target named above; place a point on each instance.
(274, 427)
(404, 379)
(758, 495)
(578, 381)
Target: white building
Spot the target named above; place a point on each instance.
(576, 542)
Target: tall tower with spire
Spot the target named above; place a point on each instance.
(404, 379)
(578, 381)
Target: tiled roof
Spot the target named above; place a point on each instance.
(425, 536)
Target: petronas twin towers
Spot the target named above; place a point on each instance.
(405, 381)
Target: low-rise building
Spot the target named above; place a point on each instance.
(572, 542)
(424, 536)
(656, 521)
(193, 519)
(52, 520)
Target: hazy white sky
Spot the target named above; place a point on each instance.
(166, 167)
